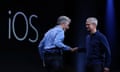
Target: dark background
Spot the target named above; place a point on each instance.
(23, 56)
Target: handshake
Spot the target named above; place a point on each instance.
(74, 49)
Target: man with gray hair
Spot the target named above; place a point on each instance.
(97, 48)
(52, 46)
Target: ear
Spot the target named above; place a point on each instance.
(95, 25)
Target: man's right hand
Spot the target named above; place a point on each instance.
(74, 49)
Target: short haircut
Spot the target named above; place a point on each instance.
(63, 19)
(93, 20)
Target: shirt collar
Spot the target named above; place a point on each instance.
(95, 33)
(59, 27)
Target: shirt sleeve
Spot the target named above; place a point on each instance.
(41, 48)
(107, 51)
(41, 43)
(59, 41)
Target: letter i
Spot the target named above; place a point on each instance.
(9, 22)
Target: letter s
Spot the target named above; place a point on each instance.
(36, 38)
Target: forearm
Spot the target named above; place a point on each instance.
(107, 59)
(62, 45)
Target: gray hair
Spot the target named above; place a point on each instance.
(63, 19)
(93, 20)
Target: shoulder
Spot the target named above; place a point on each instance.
(101, 35)
(59, 30)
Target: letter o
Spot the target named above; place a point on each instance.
(13, 26)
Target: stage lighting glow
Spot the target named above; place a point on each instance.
(110, 20)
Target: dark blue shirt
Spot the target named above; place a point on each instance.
(98, 49)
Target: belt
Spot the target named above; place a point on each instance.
(53, 51)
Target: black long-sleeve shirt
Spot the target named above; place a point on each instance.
(98, 49)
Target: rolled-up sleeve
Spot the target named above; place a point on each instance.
(40, 48)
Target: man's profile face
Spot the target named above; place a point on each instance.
(89, 26)
(66, 26)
